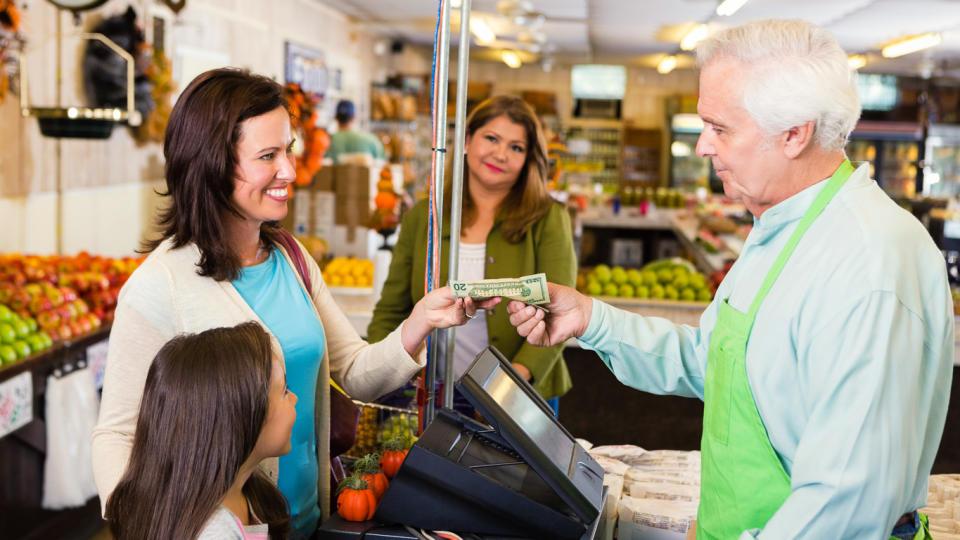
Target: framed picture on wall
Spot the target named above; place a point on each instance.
(307, 67)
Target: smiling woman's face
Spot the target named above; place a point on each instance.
(264, 167)
(496, 153)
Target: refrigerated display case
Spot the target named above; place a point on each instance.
(688, 170)
(941, 163)
(894, 151)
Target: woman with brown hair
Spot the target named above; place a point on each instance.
(510, 228)
(214, 405)
(228, 165)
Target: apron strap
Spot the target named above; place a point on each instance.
(836, 181)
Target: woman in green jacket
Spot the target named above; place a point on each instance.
(510, 227)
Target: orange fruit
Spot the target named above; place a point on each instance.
(385, 186)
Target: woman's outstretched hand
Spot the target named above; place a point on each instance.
(568, 317)
(439, 309)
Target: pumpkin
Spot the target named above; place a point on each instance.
(393, 455)
(368, 467)
(385, 201)
(356, 501)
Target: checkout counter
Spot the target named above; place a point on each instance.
(522, 476)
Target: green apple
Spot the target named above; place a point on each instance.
(36, 342)
(602, 273)
(31, 324)
(626, 290)
(643, 291)
(649, 278)
(670, 292)
(5, 313)
(656, 291)
(688, 295)
(7, 355)
(7, 333)
(22, 348)
(594, 288)
(634, 277)
(610, 289)
(21, 328)
(618, 275)
(681, 280)
(703, 295)
(698, 280)
(664, 276)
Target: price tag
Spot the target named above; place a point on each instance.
(16, 403)
(97, 361)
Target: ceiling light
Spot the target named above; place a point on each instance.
(693, 37)
(510, 58)
(856, 61)
(729, 7)
(667, 64)
(480, 29)
(910, 45)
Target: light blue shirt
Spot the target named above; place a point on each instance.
(271, 289)
(850, 359)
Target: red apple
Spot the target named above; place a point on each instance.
(63, 332)
(48, 319)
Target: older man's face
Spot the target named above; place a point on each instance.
(745, 158)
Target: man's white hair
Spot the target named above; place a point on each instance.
(794, 73)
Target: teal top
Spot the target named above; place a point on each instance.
(850, 359)
(354, 142)
(271, 289)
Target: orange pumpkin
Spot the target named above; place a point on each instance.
(393, 455)
(369, 469)
(385, 201)
(356, 501)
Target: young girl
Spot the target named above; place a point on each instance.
(214, 405)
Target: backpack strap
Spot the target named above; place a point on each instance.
(286, 240)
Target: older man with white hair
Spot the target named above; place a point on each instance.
(825, 359)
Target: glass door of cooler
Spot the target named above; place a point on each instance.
(688, 170)
(894, 151)
(941, 163)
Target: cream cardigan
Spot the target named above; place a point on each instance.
(165, 297)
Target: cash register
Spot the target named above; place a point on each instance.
(523, 475)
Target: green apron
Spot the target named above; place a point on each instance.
(743, 482)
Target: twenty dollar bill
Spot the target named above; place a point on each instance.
(527, 289)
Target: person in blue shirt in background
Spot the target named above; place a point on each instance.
(825, 359)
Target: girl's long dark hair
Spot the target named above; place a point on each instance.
(199, 146)
(204, 404)
(529, 199)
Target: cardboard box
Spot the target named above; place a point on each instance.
(336, 206)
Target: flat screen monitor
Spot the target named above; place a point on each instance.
(877, 92)
(598, 81)
(524, 419)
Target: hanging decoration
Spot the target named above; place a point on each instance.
(303, 110)
(10, 41)
(160, 76)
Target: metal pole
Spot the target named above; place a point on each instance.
(456, 201)
(440, 130)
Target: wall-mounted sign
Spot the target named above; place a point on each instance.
(16, 403)
(306, 67)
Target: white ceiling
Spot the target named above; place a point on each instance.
(640, 32)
